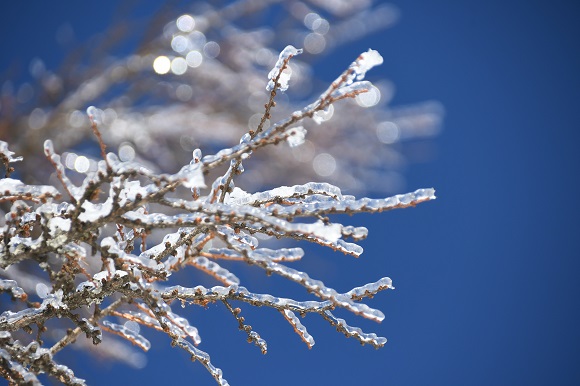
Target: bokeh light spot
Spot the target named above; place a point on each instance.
(126, 152)
(184, 92)
(161, 65)
(211, 49)
(314, 43)
(369, 98)
(185, 23)
(324, 164)
(179, 43)
(82, 164)
(178, 66)
(194, 59)
(388, 132)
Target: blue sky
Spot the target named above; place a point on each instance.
(487, 275)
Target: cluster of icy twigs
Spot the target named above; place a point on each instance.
(90, 269)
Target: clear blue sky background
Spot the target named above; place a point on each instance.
(487, 275)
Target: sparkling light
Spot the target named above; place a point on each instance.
(178, 66)
(69, 160)
(304, 153)
(184, 92)
(211, 49)
(324, 164)
(42, 290)
(161, 65)
(197, 40)
(314, 43)
(77, 119)
(194, 59)
(132, 326)
(126, 152)
(179, 43)
(369, 98)
(37, 118)
(388, 132)
(264, 56)
(321, 26)
(185, 23)
(309, 20)
(82, 164)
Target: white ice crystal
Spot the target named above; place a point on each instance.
(13, 186)
(286, 73)
(296, 136)
(58, 225)
(93, 212)
(328, 232)
(7, 153)
(191, 176)
(367, 60)
(95, 114)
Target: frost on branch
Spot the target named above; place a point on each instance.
(107, 241)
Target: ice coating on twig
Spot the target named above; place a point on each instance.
(8, 155)
(42, 359)
(127, 333)
(278, 255)
(191, 176)
(352, 89)
(296, 136)
(365, 62)
(370, 289)
(357, 333)
(281, 68)
(299, 328)
(95, 114)
(12, 286)
(215, 270)
(26, 376)
(123, 230)
(16, 188)
(204, 358)
(12, 321)
(272, 195)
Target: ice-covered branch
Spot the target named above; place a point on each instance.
(104, 244)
